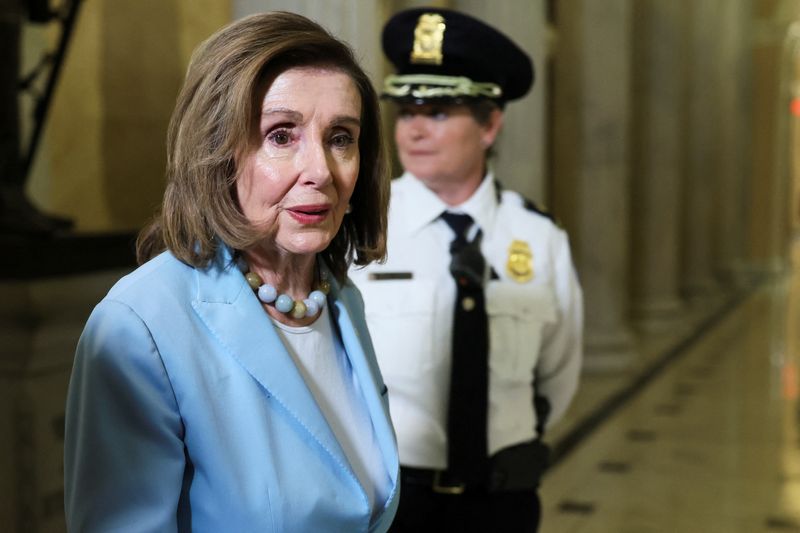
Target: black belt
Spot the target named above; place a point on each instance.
(518, 467)
(439, 481)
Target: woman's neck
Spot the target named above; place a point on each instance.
(294, 275)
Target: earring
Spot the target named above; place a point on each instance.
(349, 209)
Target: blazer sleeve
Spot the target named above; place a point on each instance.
(123, 452)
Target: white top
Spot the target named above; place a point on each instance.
(535, 326)
(321, 359)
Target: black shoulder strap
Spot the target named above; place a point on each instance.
(528, 203)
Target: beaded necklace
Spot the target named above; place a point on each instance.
(268, 294)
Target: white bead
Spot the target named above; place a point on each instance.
(312, 307)
(284, 303)
(267, 293)
(319, 297)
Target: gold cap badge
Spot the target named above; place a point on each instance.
(520, 262)
(428, 38)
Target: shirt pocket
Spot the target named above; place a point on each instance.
(517, 315)
(400, 320)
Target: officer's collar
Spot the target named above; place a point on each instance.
(427, 207)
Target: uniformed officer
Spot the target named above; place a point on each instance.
(476, 316)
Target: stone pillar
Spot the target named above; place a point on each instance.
(786, 230)
(734, 99)
(774, 191)
(701, 143)
(657, 71)
(521, 161)
(359, 22)
(591, 99)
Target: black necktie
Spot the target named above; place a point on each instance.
(469, 375)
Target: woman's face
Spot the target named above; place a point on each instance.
(296, 181)
(442, 145)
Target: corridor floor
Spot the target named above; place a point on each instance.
(710, 445)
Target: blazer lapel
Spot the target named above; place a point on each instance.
(232, 312)
(359, 351)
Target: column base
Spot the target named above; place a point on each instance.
(657, 316)
(609, 352)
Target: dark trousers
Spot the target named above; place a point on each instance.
(422, 510)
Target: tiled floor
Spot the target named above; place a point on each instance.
(710, 444)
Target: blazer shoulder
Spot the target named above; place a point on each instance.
(155, 282)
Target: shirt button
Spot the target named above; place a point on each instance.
(468, 303)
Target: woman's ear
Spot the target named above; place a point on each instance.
(492, 127)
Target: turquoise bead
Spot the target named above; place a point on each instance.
(267, 293)
(318, 297)
(284, 303)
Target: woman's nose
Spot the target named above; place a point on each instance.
(316, 164)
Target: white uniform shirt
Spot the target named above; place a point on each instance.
(535, 326)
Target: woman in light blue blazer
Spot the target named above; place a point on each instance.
(229, 383)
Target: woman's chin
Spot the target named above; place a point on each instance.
(307, 243)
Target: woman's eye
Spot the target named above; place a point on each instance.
(279, 137)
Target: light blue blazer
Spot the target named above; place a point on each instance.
(186, 413)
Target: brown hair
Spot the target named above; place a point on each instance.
(214, 119)
(481, 109)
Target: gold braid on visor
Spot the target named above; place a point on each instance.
(433, 86)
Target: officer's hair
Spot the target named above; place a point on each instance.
(481, 109)
(216, 120)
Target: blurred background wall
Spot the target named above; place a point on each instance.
(102, 160)
(661, 133)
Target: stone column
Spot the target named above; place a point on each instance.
(521, 162)
(733, 100)
(774, 191)
(701, 143)
(591, 98)
(656, 161)
(359, 22)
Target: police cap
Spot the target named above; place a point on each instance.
(443, 54)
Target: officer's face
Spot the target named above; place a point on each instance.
(443, 145)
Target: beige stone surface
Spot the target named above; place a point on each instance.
(102, 157)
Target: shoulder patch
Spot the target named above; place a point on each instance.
(527, 204)
(531, 206)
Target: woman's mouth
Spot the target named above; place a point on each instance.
(309, 214)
